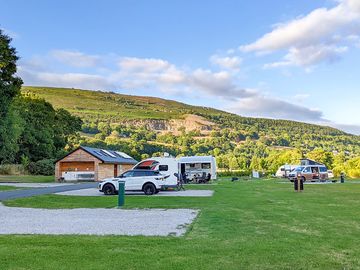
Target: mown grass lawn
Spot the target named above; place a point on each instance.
(5, 188)
(245, 225)
(27, 178)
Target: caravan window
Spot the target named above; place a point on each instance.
(206, 165)
(163, 168)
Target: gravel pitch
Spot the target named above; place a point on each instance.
(148, 222)
(186, 193)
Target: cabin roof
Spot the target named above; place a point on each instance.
(106, 156)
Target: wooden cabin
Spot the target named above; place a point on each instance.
(92, 164)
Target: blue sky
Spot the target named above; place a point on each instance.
(279, 59)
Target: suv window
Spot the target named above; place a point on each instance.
(128, 174)
(307, 170)
(140, 173)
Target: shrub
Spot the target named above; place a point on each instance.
(234, 173)
(12, 169)
(42, 167)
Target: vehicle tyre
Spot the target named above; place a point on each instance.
(149, 189)
(303, 179)
(109, 189)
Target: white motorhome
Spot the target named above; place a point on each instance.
(191, 167)
(284, 170)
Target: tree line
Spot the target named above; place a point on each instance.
(31, 130)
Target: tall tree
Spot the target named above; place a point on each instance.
(47, 130)
(10, 86)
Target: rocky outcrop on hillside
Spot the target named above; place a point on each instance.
(189, 122)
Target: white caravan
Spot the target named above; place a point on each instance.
(191, 167)
(195, 166)
(284, 170)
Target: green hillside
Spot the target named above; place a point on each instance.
(113, 107)
(145, 126)
(116, 107)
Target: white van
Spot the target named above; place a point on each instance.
(191, 168)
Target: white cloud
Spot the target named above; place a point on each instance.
(71, 80)
(75, 58)
(309, 56)
(263, 106)
(313, 38)
(353, 129)
(227, 62)
(157, 75)
(148, 65)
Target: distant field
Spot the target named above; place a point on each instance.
(260, 224)
(26, 178)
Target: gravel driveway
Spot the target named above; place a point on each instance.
(148, 222)
(186, 193)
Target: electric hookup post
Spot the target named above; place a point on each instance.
(298, 184)
(121, 196)
(342, 178)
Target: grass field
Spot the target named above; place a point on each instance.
(245, 225)
(5, 188)
(26, 178)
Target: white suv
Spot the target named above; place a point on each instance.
(148, 181)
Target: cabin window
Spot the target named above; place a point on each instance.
(163, 168)
(206, 165)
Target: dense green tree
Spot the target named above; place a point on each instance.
(10, 86)
(9, 83)
(46, 130)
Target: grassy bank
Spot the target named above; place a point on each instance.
(245, 225)
(26, 178)
(5, 188)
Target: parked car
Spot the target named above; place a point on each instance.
(309, 173)
(148, 181)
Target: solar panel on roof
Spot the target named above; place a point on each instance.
(98, 153)
(122, 154)
(108, 153)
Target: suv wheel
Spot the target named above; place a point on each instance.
(109, 189)
(303, 179)
(149, 189)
